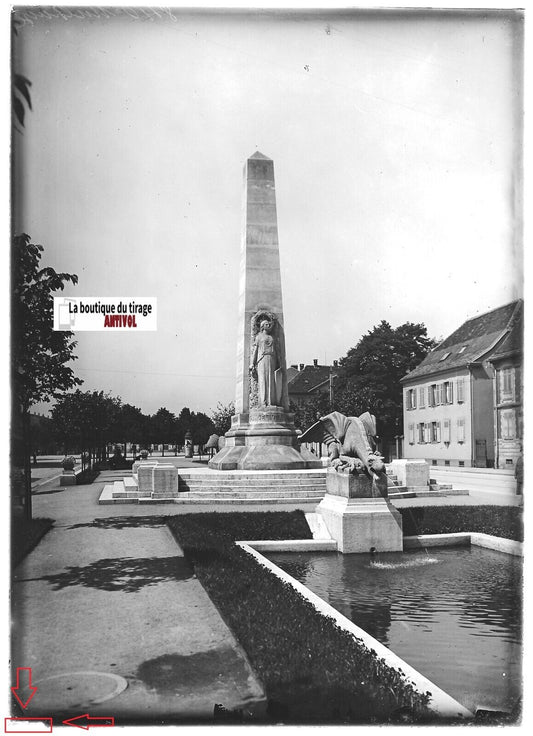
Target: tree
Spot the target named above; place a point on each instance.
(163, 427)
(39, 355)
(221, 417)
(128, 426)
(372, 370)
(202, 427)
(307, 415)
(20, 89)
(87, 421)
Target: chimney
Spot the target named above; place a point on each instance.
(315, 362)
(302, 365)
(335, 363)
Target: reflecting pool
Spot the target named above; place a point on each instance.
(454, 614)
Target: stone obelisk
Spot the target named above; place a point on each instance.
(262, 434)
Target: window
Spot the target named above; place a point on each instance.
(434, 394)
(446, 431)
(508, 460)
(462, 349)
(447, 392)
(422, 397)
(461, 463)
(508, 424)
(444, 357)
(460, 390)
(427, 432)
(460, 430)
(433, 462)
(506, 384)
(412, 434)
(435, 431)
(446, 462)
(411, 398)
(421, 435)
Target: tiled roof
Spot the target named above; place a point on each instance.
(308, 379)
(514, 341)
(471, 342)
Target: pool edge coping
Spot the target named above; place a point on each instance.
(441, 702)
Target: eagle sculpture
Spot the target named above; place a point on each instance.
(351, 443)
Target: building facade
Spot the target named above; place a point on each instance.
(455, 409)
(306, 383)
(507, 364)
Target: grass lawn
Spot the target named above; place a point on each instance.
(312, 670)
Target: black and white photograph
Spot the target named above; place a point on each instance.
(266, 367)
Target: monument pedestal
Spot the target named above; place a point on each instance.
(411, 473)
(263, 439)
(356, 519)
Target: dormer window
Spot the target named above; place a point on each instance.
(462, 349)
(446, 355)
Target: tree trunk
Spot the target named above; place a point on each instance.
(26, 436)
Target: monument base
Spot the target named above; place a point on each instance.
(264, 439)
(357, 521)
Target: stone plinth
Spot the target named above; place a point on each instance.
(350, 485)
(145, 476)
(68, 478)
(411, 472)
(357, 521)
(165, 479)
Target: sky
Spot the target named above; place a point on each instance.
(396, 140)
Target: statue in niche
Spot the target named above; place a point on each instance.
(267, 362)
(351, 443)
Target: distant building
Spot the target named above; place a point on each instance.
(308, 382)
(507, 362)
(463, 403)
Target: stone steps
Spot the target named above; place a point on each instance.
(240, 501)
(214, 488)
(271, 493)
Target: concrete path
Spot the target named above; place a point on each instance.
(110, 618)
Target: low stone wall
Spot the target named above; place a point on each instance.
(441, 703)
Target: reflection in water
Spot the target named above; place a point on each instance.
(455, 615)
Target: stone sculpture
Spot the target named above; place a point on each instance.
(266, 386)
(351, 445)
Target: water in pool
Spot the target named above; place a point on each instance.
(454, 614)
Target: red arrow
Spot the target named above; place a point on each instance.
(90, 722)
(23, 674)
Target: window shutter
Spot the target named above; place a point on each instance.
(460, 390)
(446, 433)
(438, 432)
(411, 434)
(450, 389)
(460, 430)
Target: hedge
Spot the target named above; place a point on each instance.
(500, 521)
(26, 535)
(312, 670)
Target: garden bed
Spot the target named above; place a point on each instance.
(87, 476)
(499, 521)
(25, 535)
(312, 670)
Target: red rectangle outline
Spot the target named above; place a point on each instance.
(28, 719)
